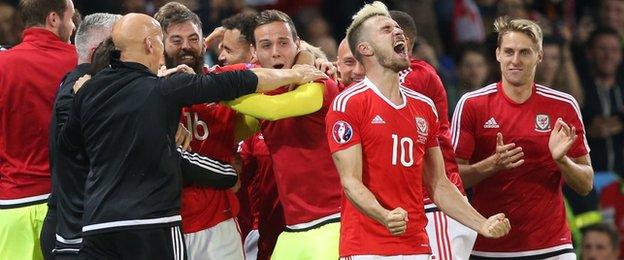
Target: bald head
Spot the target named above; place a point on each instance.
(139, 38)
(132, 29)
(349, 68)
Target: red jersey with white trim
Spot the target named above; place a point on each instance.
(394, 140)
(307, 180)
(212, 126)
(30, 75)
(423, 78)
(612, 199)
(529, 195)
(258, 177)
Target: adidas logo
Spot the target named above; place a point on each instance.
(378, 120)
(491, 123)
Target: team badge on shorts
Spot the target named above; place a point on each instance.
(342, 132)
(542, 123)
(421, 125)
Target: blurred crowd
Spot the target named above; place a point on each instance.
(583, 43)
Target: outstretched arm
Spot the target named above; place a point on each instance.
(270, 79)
(305, 99)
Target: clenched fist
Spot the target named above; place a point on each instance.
(496, 226)
(396, 221)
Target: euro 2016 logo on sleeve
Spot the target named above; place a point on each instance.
(342, 132)
(542, 123)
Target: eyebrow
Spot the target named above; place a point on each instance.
(180, 36)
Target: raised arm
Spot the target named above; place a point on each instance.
(270, 79)
(448, 198)
(186, 89)
(305, 99)
(349, 165)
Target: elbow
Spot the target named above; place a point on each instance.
(587, 185)
(585, 188)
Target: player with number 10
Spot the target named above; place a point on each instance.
(384, 144)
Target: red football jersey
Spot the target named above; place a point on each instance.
(529, 195)
(212, 126)
(422, 78)
(30, 75)
(307, 180)
(612, 199)
(259, 180)
(394, 140)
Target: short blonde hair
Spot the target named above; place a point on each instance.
(377, 8)
(505, 24)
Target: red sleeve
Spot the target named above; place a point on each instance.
(573, 118)
(462, 130)
(437, 93)
(434, 128)
(342, 129)
(330, 92)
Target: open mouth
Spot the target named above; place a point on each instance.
(278, 66)
(187, 57)
(399, 47)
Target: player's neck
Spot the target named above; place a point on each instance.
(387, 81)
(517, 93)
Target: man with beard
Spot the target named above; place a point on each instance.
(545, 147)
(30, 75)
(455, 239)
(120, 117)
(384, 142)
(209, 212)
(235, 47)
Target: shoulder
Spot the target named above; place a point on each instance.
(423, 66)
(559, 97)
(353, 92)
(478, 95)
(419, 68)
(411, 94)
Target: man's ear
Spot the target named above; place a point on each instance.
(53, 21)
(254, 58)
(149, 46)
(298, 43)
(252, 49)
(540, 56)
(498, 54)
(365, 49)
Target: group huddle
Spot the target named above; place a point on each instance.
(277, 153)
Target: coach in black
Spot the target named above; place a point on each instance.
(121, 117)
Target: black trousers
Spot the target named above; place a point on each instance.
(145, 244)
(47, 238)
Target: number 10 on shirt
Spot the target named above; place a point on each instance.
(399, 150)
